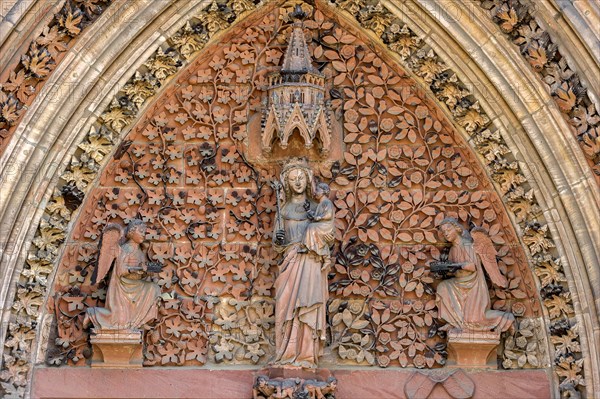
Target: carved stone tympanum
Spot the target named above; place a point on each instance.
(192, 168)
(463, 300)
(130, 299)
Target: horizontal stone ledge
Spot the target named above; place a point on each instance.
(236, 382)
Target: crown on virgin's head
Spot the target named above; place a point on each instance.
(295, 163)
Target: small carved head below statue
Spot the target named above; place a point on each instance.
(261, 381)
(293, 388)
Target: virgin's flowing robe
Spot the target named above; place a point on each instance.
(300, 295)
(130, 301)
(464, 301)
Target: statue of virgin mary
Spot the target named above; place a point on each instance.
(301, 290)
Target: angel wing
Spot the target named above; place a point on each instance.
(484, 247)
(109, 250)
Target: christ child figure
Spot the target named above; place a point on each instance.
(319, 234)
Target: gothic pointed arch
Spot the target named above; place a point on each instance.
(209, 211)
(170, 169)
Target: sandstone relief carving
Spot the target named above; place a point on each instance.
(421, 58)
(182, 312)
(301, 289)
(293, 388)
(131, 299)
(296, 97)
(463, 300)
(210, 209)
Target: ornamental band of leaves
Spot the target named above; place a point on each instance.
(210, 211)
(515, 19)
(377, 315)
(43, 55)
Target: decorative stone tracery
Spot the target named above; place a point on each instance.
(296, 99)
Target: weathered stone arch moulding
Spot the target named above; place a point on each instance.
(21, 84)
(515, 19)
(424, 64)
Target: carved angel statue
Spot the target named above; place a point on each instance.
(464, 301)
(131, 300)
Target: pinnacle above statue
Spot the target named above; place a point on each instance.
(298, 13)
(296, 100)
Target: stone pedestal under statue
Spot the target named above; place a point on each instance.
(473, 348)
(117, 349)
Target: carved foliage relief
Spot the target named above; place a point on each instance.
(183, 170)
(516, 20)
(24, 81)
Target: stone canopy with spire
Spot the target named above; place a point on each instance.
(296, 98)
